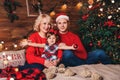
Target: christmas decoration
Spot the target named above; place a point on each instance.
(37, 6)
(99, 27)
(10, 6)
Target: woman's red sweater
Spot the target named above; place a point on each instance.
(33, 54)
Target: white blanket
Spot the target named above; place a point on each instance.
(108, 72)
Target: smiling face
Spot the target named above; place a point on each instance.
(62, 25)
(44, 25)
(51, 39)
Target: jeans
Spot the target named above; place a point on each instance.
(28, 66)
(69, 59)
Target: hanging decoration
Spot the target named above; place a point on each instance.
(37, 6)
(10, 6)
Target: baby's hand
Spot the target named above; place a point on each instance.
(24, 42)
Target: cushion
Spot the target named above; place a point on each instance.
(12, 58)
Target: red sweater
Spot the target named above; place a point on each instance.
(33, 54)
(69, 39)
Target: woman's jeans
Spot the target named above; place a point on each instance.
(69, 59)
(28, 66)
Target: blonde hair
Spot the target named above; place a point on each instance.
(39, 19)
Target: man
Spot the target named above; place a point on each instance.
(79, 56)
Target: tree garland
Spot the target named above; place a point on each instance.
(10, 6)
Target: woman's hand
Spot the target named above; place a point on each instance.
(55, 62)
(48, 63)
(61, 44)
(24, 42)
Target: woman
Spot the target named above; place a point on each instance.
(33, 54)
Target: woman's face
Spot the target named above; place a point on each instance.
(62, 25)
(45, 25)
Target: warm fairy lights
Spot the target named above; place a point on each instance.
(64, 7)
(6, 46)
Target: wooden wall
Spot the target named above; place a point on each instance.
(20, 28)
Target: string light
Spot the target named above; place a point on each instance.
(52, 13)
(12, 79)
(5, 62)
(112, 1)
(118, 8)
(101, 9)
(15, 46)
(2, 42)
(79, 5)
(90, 6)
(64, 7)
(9, 58)
(90, 2)
(109, 17)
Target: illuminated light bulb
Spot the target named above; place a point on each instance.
(99, 15)
(119, 8)
(9, 58)
(52, 13)
(15, 45)
(5, 62)
(64, 7)
(101, 9)
(12, 79)
(103, 4)
(79, 5)
(98, 0)
(3, 53)
(118, 25)
(112, 1)
(2, 42)
(16, 69)
(90, 6)
(109, 17)
(102, 14)
(6, 48)
(90, 2)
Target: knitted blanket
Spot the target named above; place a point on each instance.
(108, 72)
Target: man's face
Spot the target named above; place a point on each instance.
(62, 25)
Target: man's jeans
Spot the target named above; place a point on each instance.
(69, 59)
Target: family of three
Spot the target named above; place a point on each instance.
(47, 47)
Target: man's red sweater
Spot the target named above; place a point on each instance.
(69, 39)
(33, 54)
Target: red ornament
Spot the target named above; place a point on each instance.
(109, 23)
(99, 43)
(85, 17)
(75, 46)
(91, 44)
(118, 37)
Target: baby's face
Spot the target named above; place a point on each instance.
(51, 39)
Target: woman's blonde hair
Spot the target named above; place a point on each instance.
(39, 19)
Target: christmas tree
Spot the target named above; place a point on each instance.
(99, 27)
